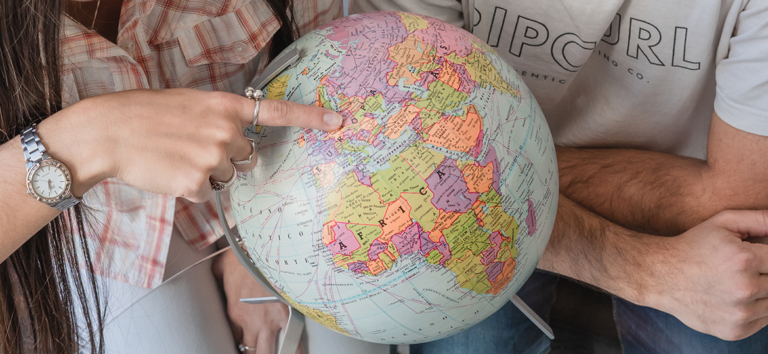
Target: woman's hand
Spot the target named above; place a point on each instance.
(172, 141)
(255, 326)
(168, 141)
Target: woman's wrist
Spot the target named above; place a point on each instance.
(74, 137)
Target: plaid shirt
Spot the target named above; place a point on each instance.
(203, 44)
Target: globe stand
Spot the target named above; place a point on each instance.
(543, 326)
(290, 340)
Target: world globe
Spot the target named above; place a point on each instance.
(431, 206)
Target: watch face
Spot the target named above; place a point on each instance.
(49, 181)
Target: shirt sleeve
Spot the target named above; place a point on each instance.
(742, 76)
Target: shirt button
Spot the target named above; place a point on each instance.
(239, 48)
(129, 48)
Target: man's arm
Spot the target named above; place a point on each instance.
(708, 277)
(667, 194)
(588, 248)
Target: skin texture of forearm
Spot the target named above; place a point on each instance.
(642, 190)
(666, 194)
(588, 248)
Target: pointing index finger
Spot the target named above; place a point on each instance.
(278, 113)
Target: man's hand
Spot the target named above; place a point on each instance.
(711, 277)
(255, 326)
(714, 280)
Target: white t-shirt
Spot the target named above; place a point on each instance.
(612, 73)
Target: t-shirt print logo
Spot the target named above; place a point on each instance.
(570, 51)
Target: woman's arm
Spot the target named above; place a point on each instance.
(20, 214)
(168, 141)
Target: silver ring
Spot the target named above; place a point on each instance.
(250, 157)
(256, 95)
(222, 186)
(243, 348)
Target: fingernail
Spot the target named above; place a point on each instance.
(332, 119)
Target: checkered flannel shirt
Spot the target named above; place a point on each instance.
(208, 45)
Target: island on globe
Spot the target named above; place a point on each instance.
(428, 209)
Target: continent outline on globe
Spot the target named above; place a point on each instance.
(412, 186)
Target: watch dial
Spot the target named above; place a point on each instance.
(49, 182)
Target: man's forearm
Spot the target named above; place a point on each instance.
(666, 194)
(644, 190)
(588, 248)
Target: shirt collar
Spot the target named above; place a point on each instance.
(79, 43)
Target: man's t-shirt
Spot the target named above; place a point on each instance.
(613, 73)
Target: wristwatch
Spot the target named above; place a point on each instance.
(48, 180)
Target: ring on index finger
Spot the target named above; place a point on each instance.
(243, 348)
(256, 95)
(250, 157)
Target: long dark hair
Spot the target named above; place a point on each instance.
(36, 300)
(41, 282)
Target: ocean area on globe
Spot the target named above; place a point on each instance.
(431, 206)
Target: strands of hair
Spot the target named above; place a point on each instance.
(37, 304)
(42, 282)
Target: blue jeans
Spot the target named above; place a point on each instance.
(644, 330)
(507, 330)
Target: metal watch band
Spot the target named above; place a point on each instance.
(34, 153)
(65, 204)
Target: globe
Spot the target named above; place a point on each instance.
(428, 209)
